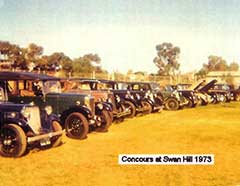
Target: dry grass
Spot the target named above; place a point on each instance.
(213, 129)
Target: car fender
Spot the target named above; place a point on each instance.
(20, 122)
(132, 101)
(82, 109)
(149, 101)
(106, 107)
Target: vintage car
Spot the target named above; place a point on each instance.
(25, 126)
(203, 97)
(189, 95)
(76, 111)
(207, 94)
(136, 105)
(112, 105)
(172, 99)
(144, 89)
(224, 92)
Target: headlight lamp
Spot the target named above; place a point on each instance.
(25, 113)
(48, 109)
(100, 106)
(118, 98)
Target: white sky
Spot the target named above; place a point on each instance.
(124, 33)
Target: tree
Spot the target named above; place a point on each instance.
(167, 58)
(82, 65)
(216, 63)
(34, 51)
(233, 66)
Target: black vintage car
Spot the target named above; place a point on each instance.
(189, 95)
(172, 99)
(136, 104)
(215, 96)
(111, 104)
(145, 91)
(25, 126)
(224, 92)
(76, 111)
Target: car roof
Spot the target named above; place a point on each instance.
(25, 76)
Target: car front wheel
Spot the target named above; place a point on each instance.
(105, 122)
(13, 141)
(76, 126)
(172, 104)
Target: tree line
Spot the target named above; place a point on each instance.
(167, 61)
(31, 58)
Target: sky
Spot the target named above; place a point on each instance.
(124, 33)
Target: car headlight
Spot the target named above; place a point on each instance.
(138, 96)
(109, 100)
(48, 109)
(25, 113)
(118, 98)
(11, 114)
(100, 106)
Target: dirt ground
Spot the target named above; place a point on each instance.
(213, 129)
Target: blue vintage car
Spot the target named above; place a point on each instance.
(24, 126)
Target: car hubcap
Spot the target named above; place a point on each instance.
(76, 125)
(9, 141)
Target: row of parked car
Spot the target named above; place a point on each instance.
(36, 109)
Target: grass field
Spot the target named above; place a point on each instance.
(213, 129)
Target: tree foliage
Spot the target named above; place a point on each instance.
(167, 58)
(32, 58)
(216, 63)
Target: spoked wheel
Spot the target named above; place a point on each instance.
(105, 122)
(147, 106)
(56, 140)
(237, 98)
(190, 103)
(76, 126)
(223, 98)
(13, 141)
(172, 104)
(121, 109)
(129, 105)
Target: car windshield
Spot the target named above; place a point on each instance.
(169, 88)
(122, 86)
(155, 86)
(221, 87)
(75, 85)
(51, 87)
(183, 87)
(104, 86)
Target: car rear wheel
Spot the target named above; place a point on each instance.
(129, 105)
(76, 126)
(120, 110)
(105, 122)
(190, 103)
(172, 104)
(56, 140)
(237, 97)
(13, 141)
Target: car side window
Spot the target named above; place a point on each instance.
(136, 87)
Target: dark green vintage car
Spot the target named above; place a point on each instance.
(76, 111)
